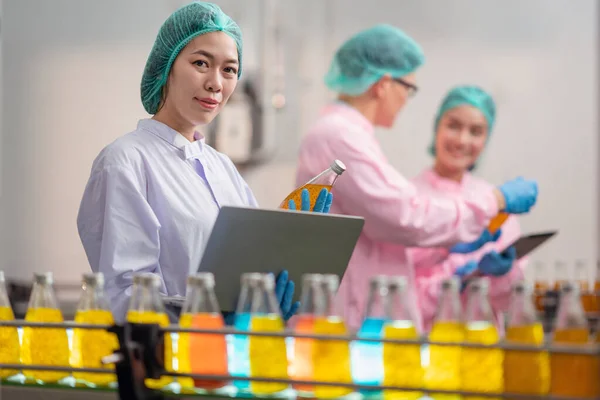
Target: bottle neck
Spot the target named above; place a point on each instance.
(521, 310)
(449, 308)
(42, 296)
(478, 308)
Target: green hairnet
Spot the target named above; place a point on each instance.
(466, 95)
(178, 30)
(369, 55)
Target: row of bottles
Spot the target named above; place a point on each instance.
(551, 280)
(491, 370)
(50, 346)
(390, 314)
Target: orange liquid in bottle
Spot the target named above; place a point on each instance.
(574, 375)
(302, 366)
(296, 195)
(497, 222)
(526, 372)
(540, 292)
(205, 354)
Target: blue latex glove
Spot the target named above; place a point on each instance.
(322, 205)
(466, 248)
(497, 264)
(284, 291)
(520, 195)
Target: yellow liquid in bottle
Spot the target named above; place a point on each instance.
(90, 345)
(9, 343)
(45, 346)
(151, 317)
(401, 362)
(574, 375)
(526, 372)
(443, 372)
(481, 369)
(183, 352)
(296, 195)
(268, 356)
(331, 358)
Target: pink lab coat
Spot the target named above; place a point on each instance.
(430, 270)
(396, 214)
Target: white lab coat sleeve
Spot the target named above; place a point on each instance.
(119, 232)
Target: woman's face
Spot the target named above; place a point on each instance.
(203, 77)
(460, 138)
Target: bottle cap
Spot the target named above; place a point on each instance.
(338, 167)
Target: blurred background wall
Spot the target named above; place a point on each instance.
(70, 85)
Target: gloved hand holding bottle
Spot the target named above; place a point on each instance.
(517, 196)
(322, 205)
(466, 248)
(497, 264)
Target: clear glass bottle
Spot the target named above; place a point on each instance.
(572, 375)
(268, 355)
(325, 180)
(367, 357)
(525, 372)
(481, 369)
(146, 307)
(201, 311)
(44, 346)
(89, 345)
(239, 356)
(9, 337)
(301, 365)
(443, 371)
(401, 362)
(331, 358)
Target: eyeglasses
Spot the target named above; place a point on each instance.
(411, 89)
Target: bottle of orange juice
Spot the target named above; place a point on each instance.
(525, 372)
(202, 353)
(572, 375)
(146, 307)
(90, 345)
(44, 346)
(325, 180)
(497, 222)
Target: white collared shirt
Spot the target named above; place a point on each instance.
(150, 205)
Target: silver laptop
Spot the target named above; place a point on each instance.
(258, 240)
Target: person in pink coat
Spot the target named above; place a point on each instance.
(374, 75)
(462, 128)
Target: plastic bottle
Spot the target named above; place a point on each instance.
(238, 356)
(367, 357)
(497, 221)
(146, 307)
(481, 369)
(301, 365)
(9, 337)
(90, 345)
(44, 346)
(525, 372)
(331, 358)
(325, 180)
(202, 353)
(401, 362)
(572, 375)
(443, 372)
(268, 355)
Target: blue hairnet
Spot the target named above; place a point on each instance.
(466, 95)
(369, 55)
(178, 30)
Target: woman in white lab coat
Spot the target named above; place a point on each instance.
(154, 194)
